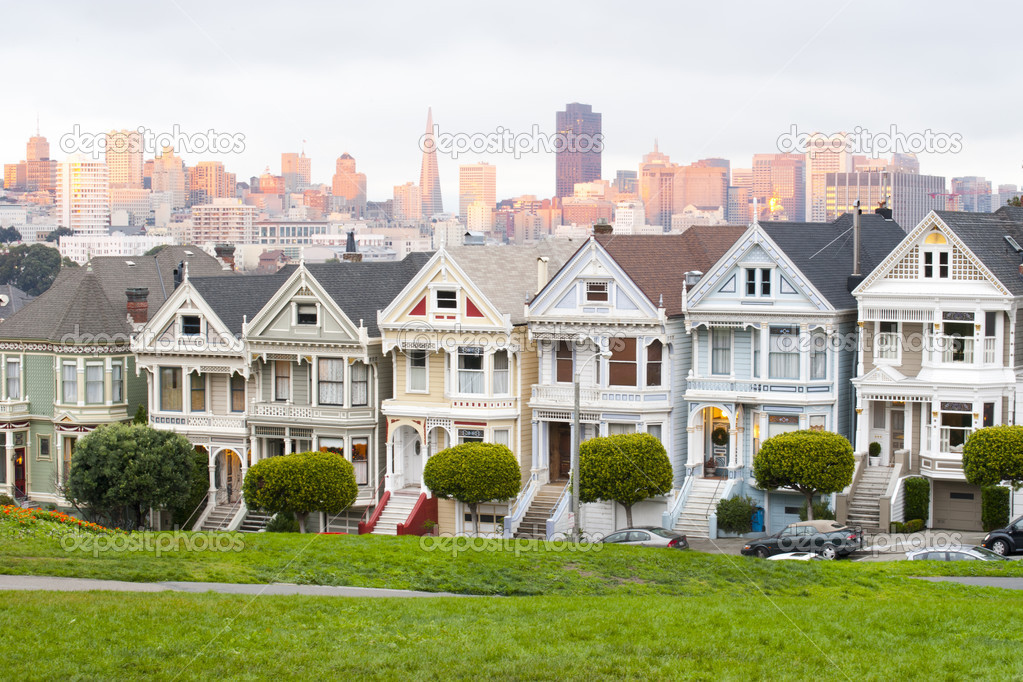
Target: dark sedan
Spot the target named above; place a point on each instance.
(830, 539)
(1005, 541)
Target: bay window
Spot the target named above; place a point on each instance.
(470, 370)
(783, 358)
(721, 351)
(501, 372)
(330, 383)
(622, 365)
(359, 375)
(94, 384)
(170, 389)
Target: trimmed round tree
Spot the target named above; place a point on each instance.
(473, 473)
(809, 462)
(993, 455)
(626, 469)
(301, 483)
(121, 471)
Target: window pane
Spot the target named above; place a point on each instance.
(622, 365)
(282, 380)
(198, 385)
(360, 384)
(596, 291)
(447, 300)
(721, 351)
(563, 356)
(307, 314)
(765, 282)
(653, 363)
(237, 393)
(818, 356)
(330, 380)
(501, 437)
(470, 373)
(94, 384)
(70, 382)
(117, 382)
(751, 282)
(14, 379)
(783, 360)
(360, 460)
(170, 389)
(501, 372)
(190, 325)
(417, 370)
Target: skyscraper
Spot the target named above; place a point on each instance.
(657, 187)
(975, 192)
(349, 184)
(169, 178)
(429, 178)
(476, 182)
(910, 195)
(826, 154)
(40, 169)
(577, 158)
(779, 185)
(83, 188)
(408, 203)
(208, 180)
(296, 169)
(124, 158)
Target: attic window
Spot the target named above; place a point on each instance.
(130, 263)
(447, 300)
(596, 291)
(191, 325)
(307, 314)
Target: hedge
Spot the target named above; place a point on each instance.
(918, 498)
(735, 515)
(994, 506)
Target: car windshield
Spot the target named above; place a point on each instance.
(664, 532)
(989, 555)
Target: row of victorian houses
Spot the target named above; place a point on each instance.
(712, 340)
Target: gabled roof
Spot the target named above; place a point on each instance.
(823, 252)
(658, 263)
(89, 302)
(234, 299)
(15, 298)
(984, 234)
(507, 275)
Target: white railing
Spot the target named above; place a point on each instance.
(989, 350)
(199, 421)
(896, 493)
(888, 345)
(946, 438)
(560, 509)
(14, 407)
(670, 517)
(956, 349)
(564, 394)
(519, 507)
(281, 410)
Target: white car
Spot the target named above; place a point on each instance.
(964, 553)
(796, 556)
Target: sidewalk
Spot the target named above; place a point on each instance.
(33, 582)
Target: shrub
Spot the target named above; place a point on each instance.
(897, 527)
(282, 522)
(626, 469)
(735, 515)
(994, 454)
(994, 506)
(301, 483)
(914, 526)
(810, 462)
(821, 510)
(6, 501)
(473, 473)
(917, 493)
(874, 449)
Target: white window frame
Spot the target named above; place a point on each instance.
(409, 369)
(482, 371)
(117, 382)
(885, 355)
(102, 386)
(758, 281)
(16, 362)
(506, 372)
(596, 287)
(715, 331)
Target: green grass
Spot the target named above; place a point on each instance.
(955, 633)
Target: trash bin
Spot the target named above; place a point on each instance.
(758, 520)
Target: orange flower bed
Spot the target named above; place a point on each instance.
(26, 517)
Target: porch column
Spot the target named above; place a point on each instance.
(254, 449)
(287, 444)
(907, 430)
(862, 424)
(733, 447)
(935, 427)
(389, 475)
(212, 499)
(9, 453)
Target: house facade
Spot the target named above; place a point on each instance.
(941, 354)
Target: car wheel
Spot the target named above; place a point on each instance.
(1000, 547)
(829, 552)
(761, 552)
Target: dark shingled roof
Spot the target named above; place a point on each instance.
(360, 289)
(823, 252)
(984, 234)
(16, 300)
(88, 304)
(658, 263)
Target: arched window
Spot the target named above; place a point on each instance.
(654, 354)
(935, 256)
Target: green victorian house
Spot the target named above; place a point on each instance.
(66, 366)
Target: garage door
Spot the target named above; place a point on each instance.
(956, 506)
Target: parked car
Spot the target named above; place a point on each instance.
(648, 536)
(965, 553)
(830, 539)
(1005, 541)
(796, 556)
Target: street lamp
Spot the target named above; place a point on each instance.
(576, 439)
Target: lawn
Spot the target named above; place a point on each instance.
(953, 633)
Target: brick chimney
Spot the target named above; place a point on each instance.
(138, 304)
(350, 257)
(602, 228)
(225, 253)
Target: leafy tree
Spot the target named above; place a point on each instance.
(66, 262)
(301, 484)
(994, 454)
(58, 233)
(200, 487)
(31, 268)
(626, 469)
(120, 471)
(472, 473)
(1015, 201)
(155, 250)
(9, 234)
(809, 462)
(141, 415)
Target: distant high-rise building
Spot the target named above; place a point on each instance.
(350, 184)
(657, 187)
(124, 158)
(779, 186)
(910, 195)
(40, 169)
(296, 169)
(702, 183)
(737, 210)
(429, 176)
(629, 216)
(83, 196)
(223, 221)
(479, 216)
(208, 180)
(626, 182)
(14, 176)
(975, 192)
(578, 157)
(825, 154)
(169, 178)
(477, 182)
(408, 203)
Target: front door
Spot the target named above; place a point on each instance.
(413, 461)
(879, 427)
(19, 471)
(560, 451)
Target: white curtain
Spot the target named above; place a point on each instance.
(70, 383)
(94, 383)
(360, 384)
(13, 380)
(783, 362)
(501, 372)
(470, 373)
(330, 379)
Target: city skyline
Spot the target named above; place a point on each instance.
(782, 87)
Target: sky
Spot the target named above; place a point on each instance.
(704, 79)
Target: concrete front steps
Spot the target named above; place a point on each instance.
(864, 507)
(221, 516)
(254, 522)
(399, 506)
(701, 503)
(534, 521)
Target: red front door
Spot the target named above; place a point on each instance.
(19, 470)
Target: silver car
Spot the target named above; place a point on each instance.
(648, 536)
(964, 553)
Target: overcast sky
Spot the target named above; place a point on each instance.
(714, 79)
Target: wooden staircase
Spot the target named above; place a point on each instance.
(534, 521)
(864, 502)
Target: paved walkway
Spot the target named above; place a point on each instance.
(33, 582)
(1007, 583)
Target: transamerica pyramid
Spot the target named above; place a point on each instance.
(429, 178)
